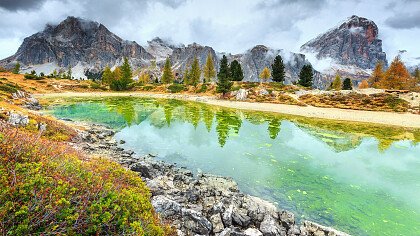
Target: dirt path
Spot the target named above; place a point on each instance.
(386, 118)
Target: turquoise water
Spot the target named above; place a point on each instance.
(363, 184)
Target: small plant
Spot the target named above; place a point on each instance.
(176, 88)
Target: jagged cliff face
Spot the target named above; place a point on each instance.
(76, 41)
(355, 42)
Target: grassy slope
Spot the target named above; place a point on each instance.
(47, 187)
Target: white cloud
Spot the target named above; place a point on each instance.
(231, 26)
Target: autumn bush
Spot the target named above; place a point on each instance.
(47, 188)
(374, 102)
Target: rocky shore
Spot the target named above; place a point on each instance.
(201, 204)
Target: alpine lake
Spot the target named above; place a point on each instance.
(363, 179)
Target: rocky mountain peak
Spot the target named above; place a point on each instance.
(76, 41)
(354, 42)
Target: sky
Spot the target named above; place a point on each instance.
(226, 25)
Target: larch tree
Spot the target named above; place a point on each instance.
(236, 71)
(336, 84)
(306, 76)
(126, 73)
(209, 72)
(223, 84)
(265, 74)
(364, 84)
(397, 76)
(347, 84)
(168, 75)
(377, 75)
(195, 73)
(277, 68)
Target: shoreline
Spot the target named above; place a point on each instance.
(197, 204)
(407, 120)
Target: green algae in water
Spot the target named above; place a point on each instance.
(359, 178)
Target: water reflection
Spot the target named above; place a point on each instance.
(132, 111)
(360, 178)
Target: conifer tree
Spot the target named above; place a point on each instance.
(306, 76)
(377, 75)
(277, 68)
(167, 76)
(16, 69)
(126, 73)
(236, 71)
(265, 74)
(364, 85)
(209, 72)
(186, 76)
(336, 85)
(397, 76)
(224, 84)
(195, 73)
(107, 75)
(416, 75)
(69, 73)
(347, 84)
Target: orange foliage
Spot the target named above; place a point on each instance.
(363, 85)
(397, 77)
(377, 75)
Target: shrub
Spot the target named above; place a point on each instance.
(8, 89)
(46, 189)
(33, 77)
(97, 86)
(148, 87)
(202, 89)
(176, 88)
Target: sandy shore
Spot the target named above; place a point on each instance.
(386, 118)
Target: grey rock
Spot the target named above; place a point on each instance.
(241, 95)
(270, 227)
(252, 232)
(227, 216)
(263, 92)
(240, 217)
(316, 229)
(18, 120)
(145, 169)
(166, 207)
(355, 42)
(287, 218)
(42, 127)
(217, 223)
(195, 222)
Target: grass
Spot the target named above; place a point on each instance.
(48, 188)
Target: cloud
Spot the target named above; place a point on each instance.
(14, 5)
(406, 14)
(229, 26)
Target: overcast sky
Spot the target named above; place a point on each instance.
(226, 25)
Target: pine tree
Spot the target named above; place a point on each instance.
(364, 85)
(224, 84)
(186, 76)
(195, 73)
(16, 69)
(336, 85)
(209, 72)
(347, 84)
(265, 74)
(397, 76)
(236, 71)
(416, 75)
(69, 73)
(278, 69)
(305, 76)
(377, 75)
(107, 75)
(126, 73)
(167, 76)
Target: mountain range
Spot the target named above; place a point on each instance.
(88, 46)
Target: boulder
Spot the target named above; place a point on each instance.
(252, 232)
(240, 217)
(145, 169)
(270, 227)
(241, 95)
(18, 120)
(217, 223)
(263, 92)
(193, 221)
(166, 207)
(319, 230)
